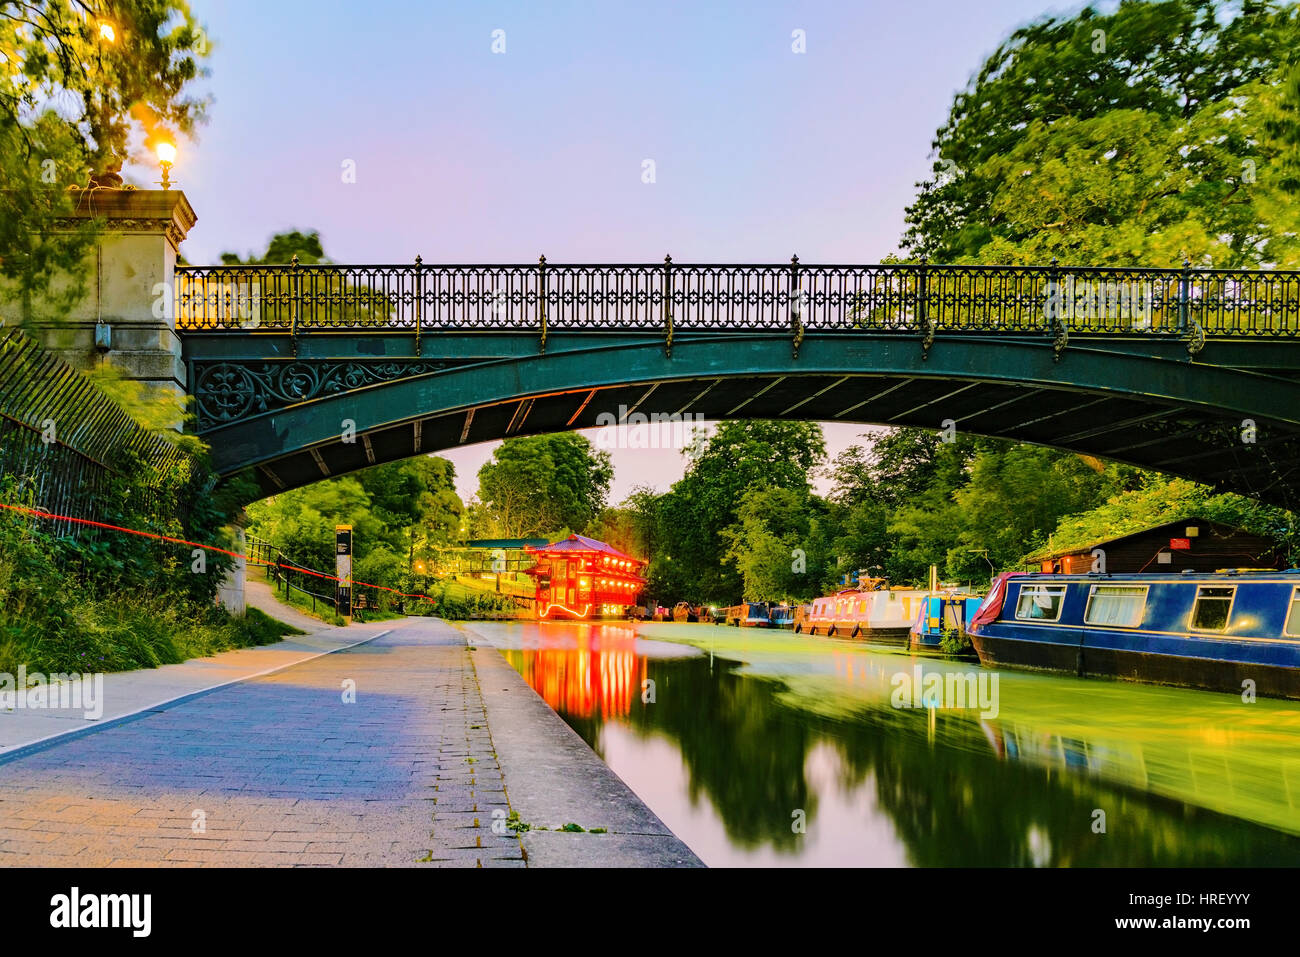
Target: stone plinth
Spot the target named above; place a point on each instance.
(129, 286)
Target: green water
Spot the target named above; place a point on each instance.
(768, 748)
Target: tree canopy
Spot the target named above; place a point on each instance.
(542, 484)
(78, 86)
(1162, 131)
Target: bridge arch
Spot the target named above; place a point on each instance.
(1230, 417)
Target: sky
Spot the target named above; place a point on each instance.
(462, 154)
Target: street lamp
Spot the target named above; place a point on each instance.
(166, 153)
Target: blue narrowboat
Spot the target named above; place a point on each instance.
(1210, 630)
(780, 615)
(748, 614)
(941, 613)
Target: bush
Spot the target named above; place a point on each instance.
(109, 601)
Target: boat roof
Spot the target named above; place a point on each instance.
(1076, 546)
(1219, 575)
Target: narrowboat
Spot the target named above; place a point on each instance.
(939, 614)
(748, 614)
(872, 611)
(1215, 631)
(780, 615)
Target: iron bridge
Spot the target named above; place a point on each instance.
(299, 372)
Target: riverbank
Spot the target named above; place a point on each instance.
(555, 782)
(440, 756)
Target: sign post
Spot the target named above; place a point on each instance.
(343, 569)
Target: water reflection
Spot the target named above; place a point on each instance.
(585, 670)
(746, 731)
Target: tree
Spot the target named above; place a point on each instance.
(400, 508)
(301, 522)
(281, 249)
(1015, 497)
(542, 484)
(78, 84)
(691, 554)
(773, 546)
(1121, 138)
(1157, 499)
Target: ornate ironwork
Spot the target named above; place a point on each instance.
(680, 298)
(1060, 340)
(226, 391)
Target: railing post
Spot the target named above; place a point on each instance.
(796, 316)
(1192, 328)
(1056, 324)
(295, 283)
(922, 313)
(1184, 290)
(419, 300)
(668, 312)
(541, 297)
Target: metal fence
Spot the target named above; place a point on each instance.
(63, 441)
(419, 297)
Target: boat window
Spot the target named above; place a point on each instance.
(1213, 603)
(1040, 602)
(1116, 605)
(862, 608)
(1292, 627)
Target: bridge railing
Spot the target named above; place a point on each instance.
(692, 297)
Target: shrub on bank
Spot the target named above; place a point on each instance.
(114, 602)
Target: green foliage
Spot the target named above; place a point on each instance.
(691, 561)
(769, 544)
(71, 103)
(1157, 500)
(400, 514)
(539, 485)
(281, 249)
(109, 605)
(457, 603)
(1160, 131)
(955, 642)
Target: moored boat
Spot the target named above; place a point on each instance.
(683, 611)
(942, 614)
(748, 614)
(780, 615)
(873, 611)
(1221, 631)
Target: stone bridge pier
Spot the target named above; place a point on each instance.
(125, 316)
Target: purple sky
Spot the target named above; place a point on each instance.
(465, 155)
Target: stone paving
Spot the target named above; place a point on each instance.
(280, 770)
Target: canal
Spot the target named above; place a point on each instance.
(766, 748)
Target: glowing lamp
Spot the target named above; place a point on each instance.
(166, 153)
(106, 32)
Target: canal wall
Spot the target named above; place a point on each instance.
(553, 778)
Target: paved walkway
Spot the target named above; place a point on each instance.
(283, 769)
(129, 692)
(280, 770)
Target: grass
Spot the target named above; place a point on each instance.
(124, 634)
